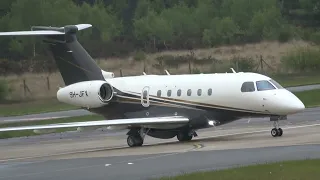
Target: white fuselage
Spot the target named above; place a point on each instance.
(226, 91)
(239, 92)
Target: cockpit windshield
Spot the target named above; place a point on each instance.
(264, 85)
(276, 84)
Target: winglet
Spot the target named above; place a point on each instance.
(83, 26)
(167, 72)
(233, 70)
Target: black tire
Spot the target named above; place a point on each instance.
(184, 136)
(274, 132)
(280, 132)
(133, 141)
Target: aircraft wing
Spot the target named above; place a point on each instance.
(135, 122)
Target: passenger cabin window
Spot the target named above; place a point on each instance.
(264, 85)
(159, 93)
(169, 93)
(189, 92)
(199, 92)
(179, 92)
(209, 92)
(247, 87)
(276, 84)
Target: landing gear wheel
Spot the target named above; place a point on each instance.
(274, 132)
(280, 132)
(134, 140)
(184, 136)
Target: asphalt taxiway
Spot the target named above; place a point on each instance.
(105, 155)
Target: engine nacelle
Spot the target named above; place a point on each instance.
(89, 94)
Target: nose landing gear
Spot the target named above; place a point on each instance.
(276, 131)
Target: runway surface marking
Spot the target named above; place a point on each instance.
(129, 162)
(195, 147)
(260, 131)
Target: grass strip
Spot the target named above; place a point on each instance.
(11, 134)
(290, 80)
(33, 107)
(287, 170)
(310, 98)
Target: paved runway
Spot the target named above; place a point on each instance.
(152, 166)
(100, 155)
(81, 112)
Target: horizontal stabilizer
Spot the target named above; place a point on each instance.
(48, 30)
(26, 33)
(128, 122)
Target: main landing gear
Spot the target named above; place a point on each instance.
(186, 135)
(136, 137)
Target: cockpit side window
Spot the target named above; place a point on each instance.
(247, 87)
(276, 84)
(264, 85)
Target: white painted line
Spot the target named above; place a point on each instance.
(260, 131)
(106, 165)
(130, 163)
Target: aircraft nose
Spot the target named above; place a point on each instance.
(285, 103)
(297, 106)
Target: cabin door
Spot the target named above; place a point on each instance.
(145, 96)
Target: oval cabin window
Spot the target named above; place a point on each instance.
(209, 92)
(199, 92)
(189, 92)
(179, 92)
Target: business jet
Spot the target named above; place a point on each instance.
(160, 106)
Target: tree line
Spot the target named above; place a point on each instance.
(121, 27)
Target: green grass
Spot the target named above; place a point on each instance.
(288, 170)
(33, 107)
(11, 134)
(297, 79)
(310, 98)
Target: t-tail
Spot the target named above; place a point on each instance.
(73, 61)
